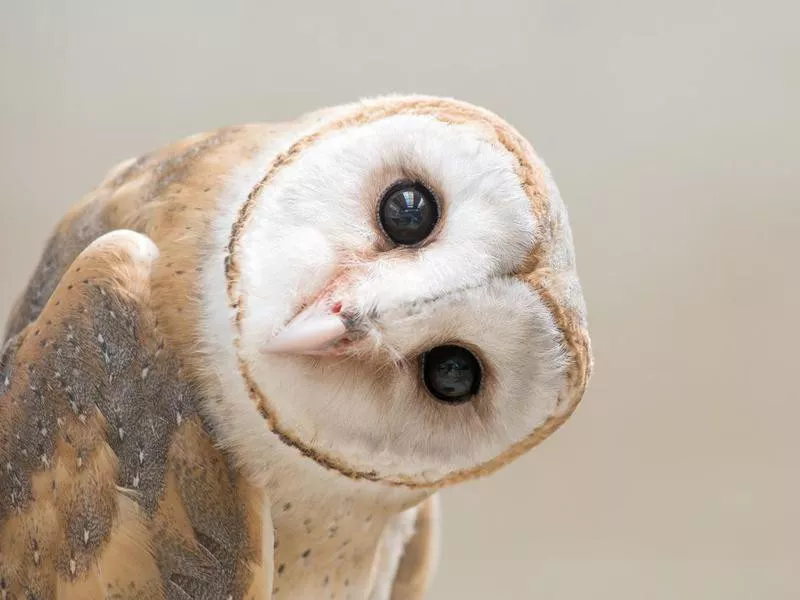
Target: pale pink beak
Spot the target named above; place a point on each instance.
(313, 331)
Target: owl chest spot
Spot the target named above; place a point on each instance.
(326, 553)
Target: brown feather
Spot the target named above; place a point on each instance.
(111, 484)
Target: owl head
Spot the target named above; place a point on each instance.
(395, 296)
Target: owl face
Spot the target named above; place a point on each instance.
(374, 304)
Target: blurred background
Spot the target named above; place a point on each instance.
(673, 131)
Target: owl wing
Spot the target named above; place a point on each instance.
(110, 483)
(420, 555)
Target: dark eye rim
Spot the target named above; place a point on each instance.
(478, 386)
(428, 190)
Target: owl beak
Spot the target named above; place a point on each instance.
(313, 331)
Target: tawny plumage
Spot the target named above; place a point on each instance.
(112, 485)
(222, 380)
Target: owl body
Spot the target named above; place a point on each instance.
(265, 420)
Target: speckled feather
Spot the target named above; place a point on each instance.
(112, 486)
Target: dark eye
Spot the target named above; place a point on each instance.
(451, 373)
(408, 213)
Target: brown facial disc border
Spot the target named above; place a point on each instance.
(534, 272)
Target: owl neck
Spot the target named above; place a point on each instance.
(329, 532)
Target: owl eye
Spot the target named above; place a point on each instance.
(452, 374)
(408, 213)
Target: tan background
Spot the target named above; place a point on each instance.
(672, 129)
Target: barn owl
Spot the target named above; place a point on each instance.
(247, 362)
